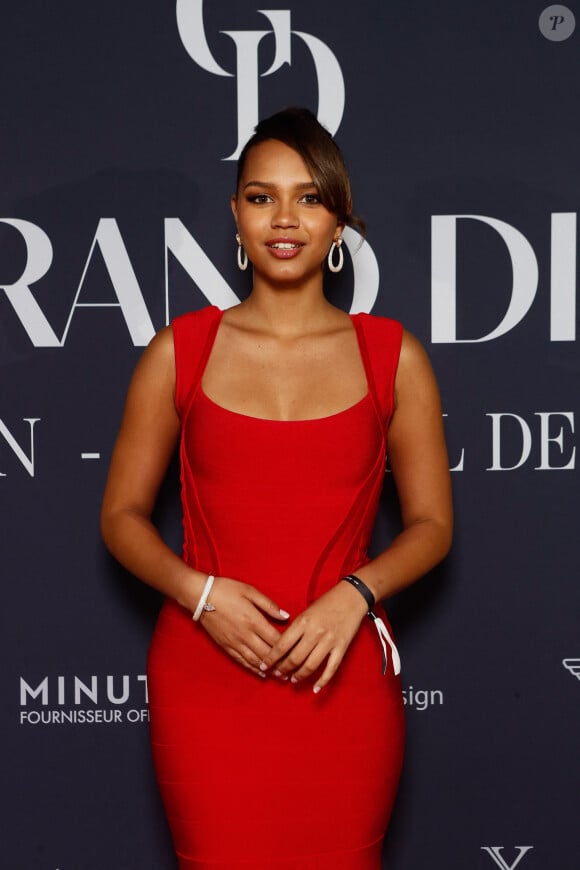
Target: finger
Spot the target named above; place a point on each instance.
(334, 660)
(254, 651)
(267, 633)
(266, 604)
(279, 650)
(249, 619)
(296, 658)
(253, 624)
(244, 662)
(257, 621)
(310, 665)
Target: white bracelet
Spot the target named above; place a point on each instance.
(201, 604)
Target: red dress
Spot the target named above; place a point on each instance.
(260, 773)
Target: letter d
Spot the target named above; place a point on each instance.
(496, 441)
(444, 277)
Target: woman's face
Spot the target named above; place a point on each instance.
(284, 227)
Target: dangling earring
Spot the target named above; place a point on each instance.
(242, 256)
(336, 246)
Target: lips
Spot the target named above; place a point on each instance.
(284, 249)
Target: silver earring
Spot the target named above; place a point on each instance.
(242, 256)
(331, 265)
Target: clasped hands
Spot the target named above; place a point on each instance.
(319, 635)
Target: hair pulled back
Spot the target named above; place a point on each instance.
(300, 130)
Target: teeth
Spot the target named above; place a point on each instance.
(284, 246)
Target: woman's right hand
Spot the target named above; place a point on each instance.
(239, 625)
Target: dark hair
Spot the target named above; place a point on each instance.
(301, 131)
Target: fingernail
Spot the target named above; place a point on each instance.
(293, 680)
(263, 666)
(260, 674)
(316, 689)
(284, 614)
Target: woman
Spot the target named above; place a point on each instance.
(277, 738)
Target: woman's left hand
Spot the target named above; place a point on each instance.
(322, 632)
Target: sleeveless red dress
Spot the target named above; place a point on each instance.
(260, 773)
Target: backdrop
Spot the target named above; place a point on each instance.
(460, 125)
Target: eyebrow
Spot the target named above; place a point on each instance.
(303, 185)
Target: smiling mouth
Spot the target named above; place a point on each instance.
(284, 246)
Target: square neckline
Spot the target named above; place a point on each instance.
(300, 420)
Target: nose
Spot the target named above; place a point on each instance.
(285, 214)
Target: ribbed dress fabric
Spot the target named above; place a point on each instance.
(261, 773)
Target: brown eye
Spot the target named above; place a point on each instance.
(258, 198)
(310, 198)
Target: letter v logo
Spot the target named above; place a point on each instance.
(495, 852)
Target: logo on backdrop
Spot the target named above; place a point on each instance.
(553, 434)
(26, 459)
(524, 282)
(329, 76)
(495, 852)
(109, 243)
(178, 241)
(557, 23)
(573, 666)
(544, 442)
(100, 699)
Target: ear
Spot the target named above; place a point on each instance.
(339, 228)
(234, 205)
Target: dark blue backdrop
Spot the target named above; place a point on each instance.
(118, 120)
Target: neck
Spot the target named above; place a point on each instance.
(289, 310)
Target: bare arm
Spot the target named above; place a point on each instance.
(420, 467)
(418, 458)
(149, 433)
(147, 438)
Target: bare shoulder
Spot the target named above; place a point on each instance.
(161, 345)
(412, 351)
(415, 377)
(158, 359)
